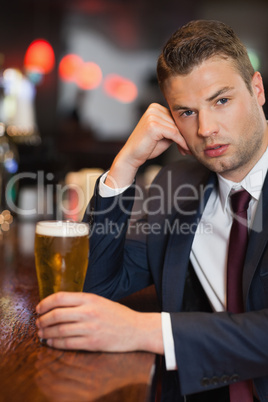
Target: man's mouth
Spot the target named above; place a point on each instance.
(216, 150)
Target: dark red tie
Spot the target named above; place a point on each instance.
(240, 391)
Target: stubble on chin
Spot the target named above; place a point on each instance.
(234, 167)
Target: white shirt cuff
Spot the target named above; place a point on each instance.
(169, 348)
(106, 191)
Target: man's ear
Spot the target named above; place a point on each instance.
(257, 86)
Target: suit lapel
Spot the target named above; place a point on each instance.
(179, 246)
(257, 240)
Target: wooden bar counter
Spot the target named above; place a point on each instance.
(32, 372)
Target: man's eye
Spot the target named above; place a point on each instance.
(187, 113)
(222, 101)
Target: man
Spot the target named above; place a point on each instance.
(215, 113)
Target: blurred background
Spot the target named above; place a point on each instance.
(76, 75)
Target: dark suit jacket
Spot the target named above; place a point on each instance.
(212, 349)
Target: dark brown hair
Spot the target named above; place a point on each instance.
(196, 42)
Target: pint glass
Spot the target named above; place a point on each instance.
(61, 256)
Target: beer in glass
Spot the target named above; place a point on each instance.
(61, 256)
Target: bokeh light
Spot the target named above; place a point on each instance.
(120, 88)
(89, 76)
(69, 67)
(254, 58)
(39, 57)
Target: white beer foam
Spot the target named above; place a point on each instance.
(61, 228)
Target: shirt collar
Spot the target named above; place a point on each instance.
(253, 182)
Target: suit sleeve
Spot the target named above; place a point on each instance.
(117, 267)
(217, 349)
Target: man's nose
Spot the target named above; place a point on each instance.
(207, 124)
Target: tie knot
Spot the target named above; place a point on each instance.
(240, 201)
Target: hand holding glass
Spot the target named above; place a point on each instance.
(61, 256)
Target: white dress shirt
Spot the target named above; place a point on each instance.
(210, 246)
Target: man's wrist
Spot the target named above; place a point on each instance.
(149, 333)
(122, 173)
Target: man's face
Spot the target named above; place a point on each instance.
(221, 121)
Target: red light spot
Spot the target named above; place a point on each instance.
(120, 88)
(89, 76)
(69, 67)
(39, 57)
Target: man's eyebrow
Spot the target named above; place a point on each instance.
(176, 108)
(221, 91)
(218, 93)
